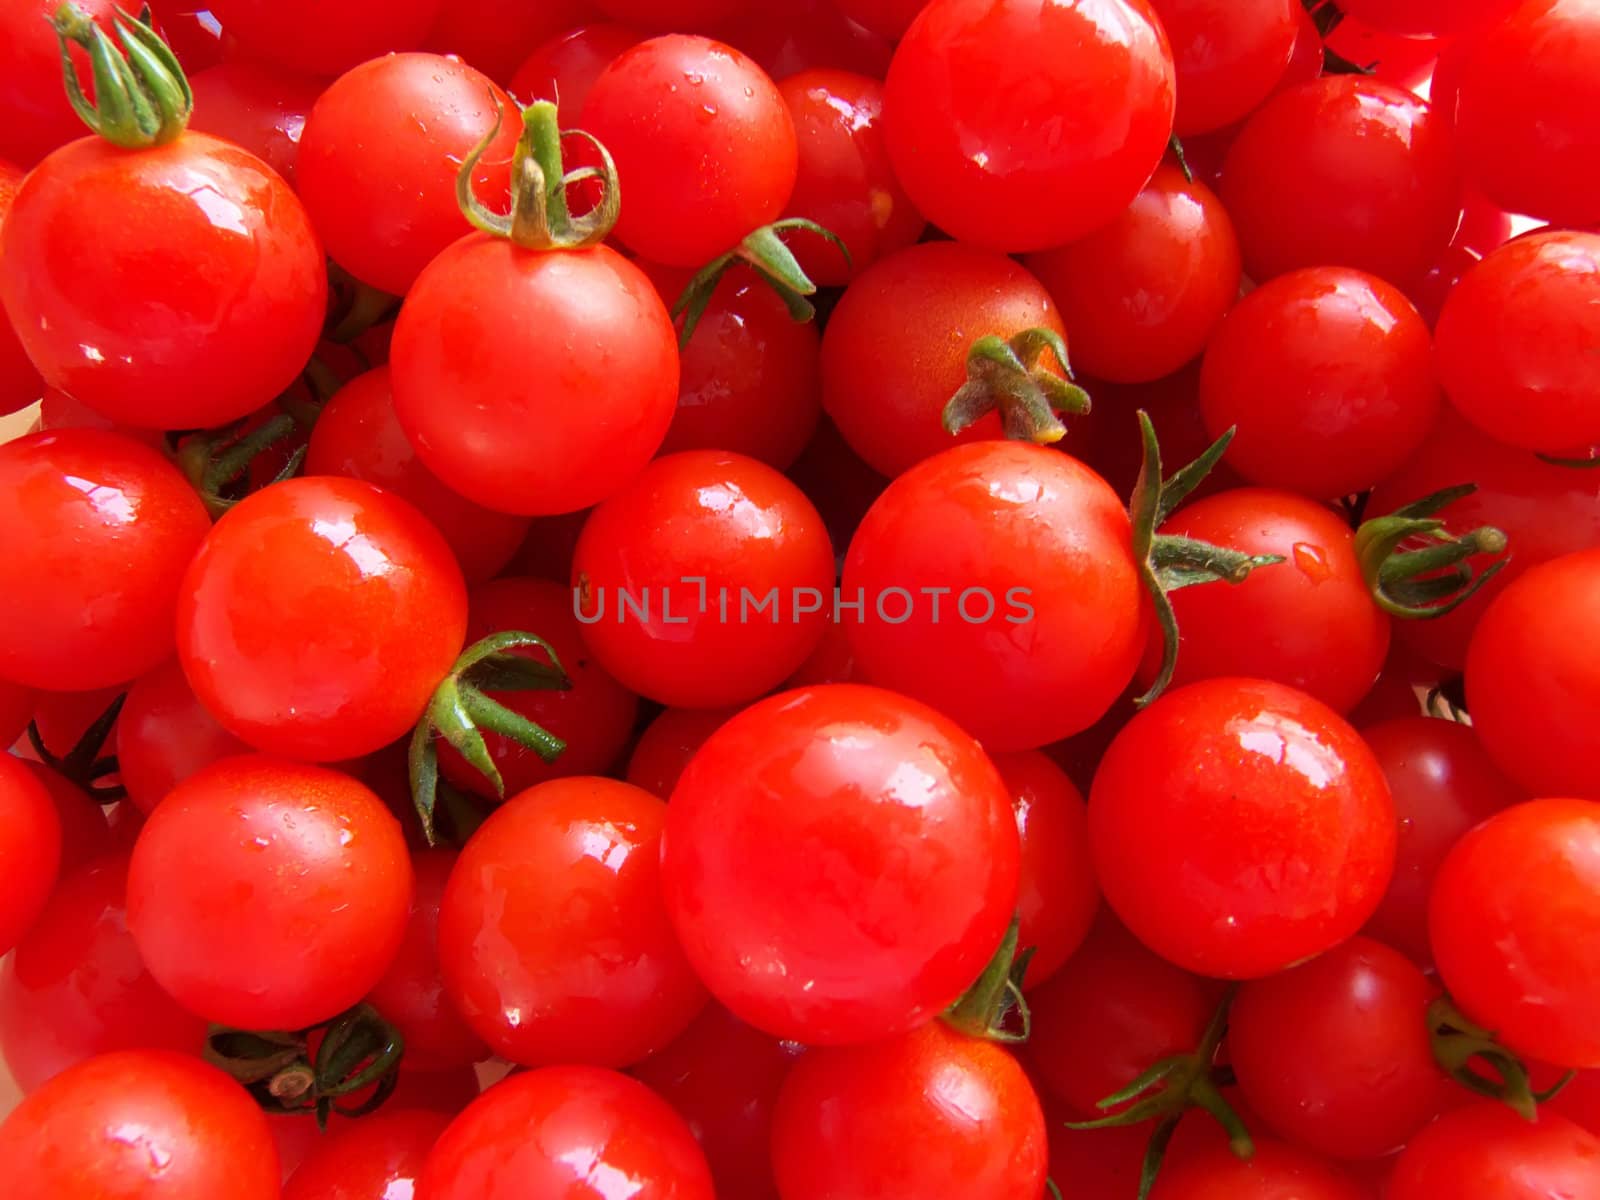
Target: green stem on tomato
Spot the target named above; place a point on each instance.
(142, 97)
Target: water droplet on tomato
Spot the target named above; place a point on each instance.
(1312, 561)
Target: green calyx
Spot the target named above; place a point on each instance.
(1458, 1044)
(461, 710)
(141, 97)
(1433, 577)
(1168, 1090)
(1006, 374)
(764, 252)
(217, 461)
(84, 764)
(358, 1049)
(1168, 563)
(994, 1007)
(540, 218)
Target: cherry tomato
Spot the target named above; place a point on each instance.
(553, 935)
(496, 35)
(1487, 1152)
(563, 68)
(831, 662)
(191, 32)
(302, 905)
(1484, 227)
(164, 735)
(573, 1131)
(668, 743)
(101, 528)
(1390, 57)
(318, 618)
(888, 803)
(1344, 171)
(358, 436)
(30, 849)
(1513, 917)
(998, 116)
(306, 35)
(845, 182)
(789, 36)
(703, 132)
(260, 108)
(1274, 1172)
(378, 1158)
(35, 116)
(1027, 554)
(1141, 296)
(139, 1123)
(895, 349)
(76, 986)
(1328, 375)
(1428, 18)
(20, 384)
(703, 582)
(1284, 781)
(1227, 56)
(882, 1120)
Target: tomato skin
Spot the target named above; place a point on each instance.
(1032, 82)
(304, 906)
(276, 31)
(703, 131)
(494, 36)
(198, 1134)
(358, 436)
(224, 323)
(30, 849)
(1308, 622)
(261, 108)
(563, 68)
(1487, 1152)
(1429, 18)
(35, 117)
(379, 159)
(369, 1159)
(520, 441)
(102, 614)
(164, 735)
(1343, 171)
(668, 743)
(1328, 374)
(1514, 918)
(553, 936)
(590, 1126)
(818, 784)
(1227, 56)
(1274, 1172)
(20, 384)
(669, 14)
(739, 528)
(1284, 781)
(879, 1120)
(76, 986)
(1141, 295)
(1050, 544)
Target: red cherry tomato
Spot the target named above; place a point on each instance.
(1487, 1152)
(1280, 848)
(789, 36)
(884, 800)
(305, 35)
(30, 849)
(302, 905)
(289, 672)
(379, 1158)
(576, 1132)
(496, 35)
(705, 581)
(1344, 171)
(1514, 917)
(35, 116)
(703, 132)
(1328, 375)
(260, 108)
(1227, 56)
(101, 529)
(1027, 553)
(997, 115)
(553, 934)
(20, 384)
(1141, 296)
(76, 986)
(164, 735)
(223, 326)
(564, 68)
(883, 1120)
(1428, 18)
(668, 743)
(1274, 1172)
(139, 1123)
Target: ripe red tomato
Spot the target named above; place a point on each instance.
(30, 849)
(805, 838)
(790, 36)
(20, 384)
(896, 347)
(302, 905)
(379, 159)
(1344, 171)
(35, 116)
(998, 115)
(76, 987)
(101, 528)
(1227, 55)
(1278, 849)
(358, 436)
(164, 735)
(553, 935)
(1334, 1055)
(318, 618)
(705, 581)
(522, 441)
(379, 1157)
(1028, 554)
(305, 35)
(1309, 622)
(575, 1132)
(226, 322)
(1428, 18)
(1487, 1152)
(1328, 375)
(1274, 1172)
(1141, 296)
(495, 35)
(668, 743)
(258, 107)
(1515, 922)
(701, 131)
(884, 1120)
(564, 68)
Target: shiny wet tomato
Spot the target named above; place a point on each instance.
(30, 849)
(259, 107)
(564, 68)
(1274, 1172)
(668, 743)
(1227, 55)
(1487, 1152)
(378, 1158)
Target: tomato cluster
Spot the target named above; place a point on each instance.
(804, 600)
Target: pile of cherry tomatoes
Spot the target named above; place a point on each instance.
(800, 600)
